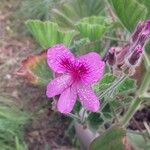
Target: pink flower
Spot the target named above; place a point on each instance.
(77, 76)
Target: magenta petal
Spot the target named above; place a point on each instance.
(67, 100)
(88, 98)
(57, 55)
(94, 65)
(58, 85)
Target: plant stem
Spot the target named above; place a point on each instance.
(74, 117)
(147, 127)
(146, 60)
(83, 116)
(117, 83)
(114, 39)
(145, 84)
(131, 111)
(136, 103)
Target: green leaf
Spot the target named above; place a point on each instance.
(35, 69)
(93, 27)
(70, 11)
(63, 20)
(127, 85)
(106, 81)
(12, 124)
(138, 142)
(130, 12)
(65, 37)
(36, 9)
(94, 120)
(146, 3)
(111, 139)
(77, 107)
(117, 104)
(47, 33)
(84, 46)
(78, 44)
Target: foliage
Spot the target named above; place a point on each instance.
(111, 105)
(77, 46)
(93, 27)
(47, 33)
(124, 10)
(95, 120)
(35, 69)
(36, 9)
(108, 80)
(68, 12)
(12, 124)
(138, 141)
(111, 139)
(127, 86)
(146, 3)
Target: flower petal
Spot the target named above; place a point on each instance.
(94, 65)
(88, 98)
(67, 100)
(58, 57)
(58, 85)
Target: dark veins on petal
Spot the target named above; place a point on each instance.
(76, 69)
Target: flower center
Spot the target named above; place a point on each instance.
(76, 69)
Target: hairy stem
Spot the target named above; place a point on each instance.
(136, 103)
(117, 83)
(115, 39)
(74, 117)
(131, 111)
(145, 84)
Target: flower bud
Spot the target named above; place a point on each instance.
(147, 26)
(142, 30)
(137, 31)
(134, 58)
(129, 56)
(110, 58)
(143, 39)
(123, 53)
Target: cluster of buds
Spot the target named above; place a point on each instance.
(129, 56)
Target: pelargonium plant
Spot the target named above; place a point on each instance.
(90, 79)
